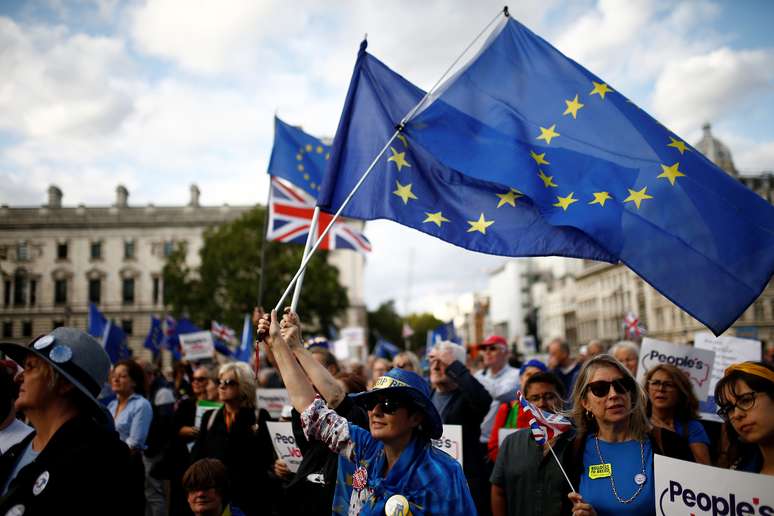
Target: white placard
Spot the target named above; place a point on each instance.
(694, 362)
(451, 441)
(688, 488)
(285, 443)
(502, 433)
(728, 350)
(272, 400)
(197, 346)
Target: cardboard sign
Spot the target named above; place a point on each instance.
(695, 363)
(197, 346)
(688, 488)
(272, 400)
(285, 444)
(451, 441)
(728, 350)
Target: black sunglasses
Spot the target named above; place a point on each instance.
(390, 404)
(227, 383)
(601, 388)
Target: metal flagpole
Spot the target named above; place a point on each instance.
(558, 462)
(362, 179)
(307, 247)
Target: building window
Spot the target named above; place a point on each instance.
(22, 251)
(129, 249)
(95, 291)
(169, 247)
(33, 292)
(57, 324)
(127, 325)
(61, 251)
(96, 250)
(156, 289)
(7, 329)
(26, 328)
(7, 292)
(60, 291)
(20, 288)
(127, 291)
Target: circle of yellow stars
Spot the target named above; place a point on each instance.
(309, 149)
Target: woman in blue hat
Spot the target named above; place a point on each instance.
(398, 470)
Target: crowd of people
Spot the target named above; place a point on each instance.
(79, 435)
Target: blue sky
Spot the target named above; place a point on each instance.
(158, 95)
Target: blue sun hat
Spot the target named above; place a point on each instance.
(411, 385)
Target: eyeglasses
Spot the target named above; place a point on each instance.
(744, 402)
(548, 397)
(199, 379)
(601, 388)
(484, 349)
(227, 383)
(658, 385)
(390, 405)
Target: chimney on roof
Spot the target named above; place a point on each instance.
(54, 197)
(122, 197)
(195, 193)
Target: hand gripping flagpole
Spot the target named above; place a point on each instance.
(401, 125)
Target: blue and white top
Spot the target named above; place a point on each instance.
(133, 423)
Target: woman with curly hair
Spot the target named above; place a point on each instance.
(673, 405)
(745, 397)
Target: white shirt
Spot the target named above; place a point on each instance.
(13, 434)
(502, 387)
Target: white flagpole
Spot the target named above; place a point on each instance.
(362, 179)
(309, 239)
(558, 462)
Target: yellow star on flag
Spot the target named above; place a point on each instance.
(678, 144)
(299, 157)
(548, 181)
(479, 225)
(600, 198)
(600, 88)
(637, 196)
(404, 192)
(399, 158)
(572, 107)
(308, 148)
(436, 218)
(548, 134)
(540, 159)
(565, 202)
(671, 173)
(509, 197)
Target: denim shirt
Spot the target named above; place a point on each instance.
(134, 420)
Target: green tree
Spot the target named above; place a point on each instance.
(421, 324)
(225, 286)
(385, 323)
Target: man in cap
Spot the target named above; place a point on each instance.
(74, 463)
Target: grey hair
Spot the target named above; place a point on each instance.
(457, 350)
(411, 357)
(246, 378)
(624, 345)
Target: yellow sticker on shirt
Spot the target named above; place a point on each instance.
(600, 471)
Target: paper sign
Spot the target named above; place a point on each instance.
(451, 441)
(285, 444)
(728, 350)
(203, 406)
(502, 433)
(272, 400)
(688, 488)
(197, 346)
(696, 363)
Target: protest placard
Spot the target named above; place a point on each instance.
(451, 441)
(728, 350)
(695, 363)
(272, 400)
(197, 345)
(285, 443)
(687, 488)
(203, 406)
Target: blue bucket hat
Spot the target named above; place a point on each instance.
(533, 363)
(411, 385)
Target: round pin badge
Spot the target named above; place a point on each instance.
(640, 479)
(40, 484)
(16, 510)
(61, 354)
(397, 505)
(43, 342)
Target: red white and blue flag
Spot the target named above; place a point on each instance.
(222, 332)
(544, 425)
(632, 326)
(290, 215)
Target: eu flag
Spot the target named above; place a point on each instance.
(298, 157)
(523, 115)
(411, 187)
(112, 337)
(155, 336)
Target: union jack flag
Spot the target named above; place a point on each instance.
(290, 215)
(632, 326)
(544, 425)
(222, 332)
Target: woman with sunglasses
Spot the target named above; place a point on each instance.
(398, 471)
(745, 397)
(233, 435)
(673, 405)
(615, 443)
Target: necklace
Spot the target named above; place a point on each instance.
(639, 478)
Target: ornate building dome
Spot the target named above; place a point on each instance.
(716, 151)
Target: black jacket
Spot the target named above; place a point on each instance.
(84, 469)
(247, 452)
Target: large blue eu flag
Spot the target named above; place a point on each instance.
(298, 157)
(523, 115)
(411, 187)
